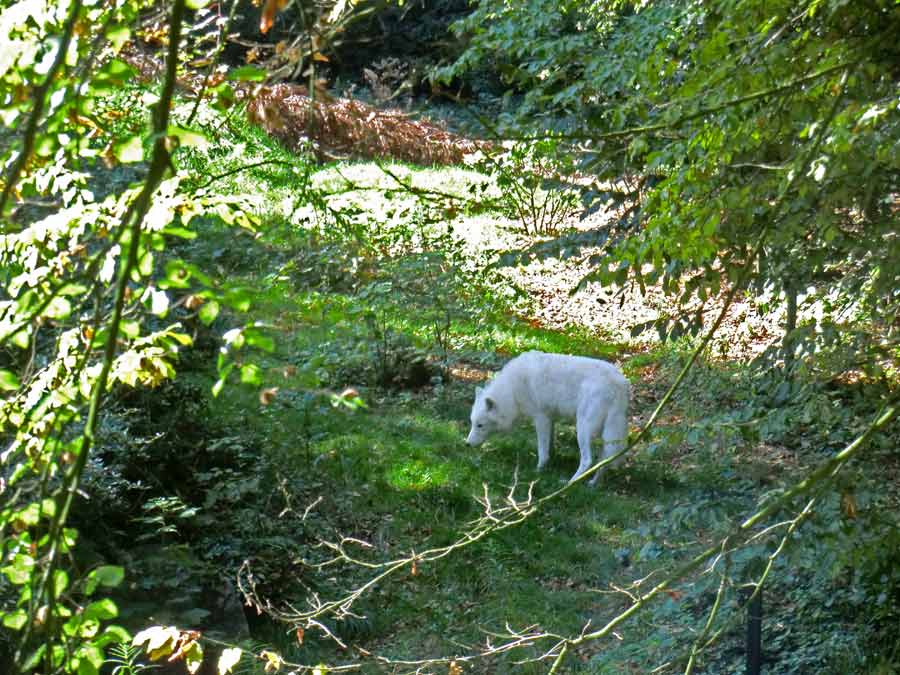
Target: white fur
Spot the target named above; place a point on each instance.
(545, 387)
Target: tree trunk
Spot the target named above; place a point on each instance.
(788, 346)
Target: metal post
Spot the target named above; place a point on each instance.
(754, 632)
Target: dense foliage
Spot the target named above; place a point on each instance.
(764, 136)
(87, 298)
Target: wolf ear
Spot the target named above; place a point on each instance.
(478, 391)
(489, 402)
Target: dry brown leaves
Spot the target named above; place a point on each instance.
(337, 128)
(346, 128)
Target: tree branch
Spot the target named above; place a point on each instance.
(40, 101)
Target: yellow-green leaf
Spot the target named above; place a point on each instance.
(229, 659)
(247, 74)
(59, 308)
(15, 619)
(160, 640)
(209, 312)
(250, 374)
(118, 36)
(8, 381)
(130, 150)
(189, 138)
(193, 657)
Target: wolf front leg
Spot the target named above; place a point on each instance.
(544, 427)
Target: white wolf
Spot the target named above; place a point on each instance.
(547, 386)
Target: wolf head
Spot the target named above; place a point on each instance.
(486, 417)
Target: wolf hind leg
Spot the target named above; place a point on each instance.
(589, 420)
(544, 427)
(615, 430)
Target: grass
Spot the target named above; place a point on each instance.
(398, 475)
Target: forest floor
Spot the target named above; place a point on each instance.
(368, 285)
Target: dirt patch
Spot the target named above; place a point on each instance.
(613, 311)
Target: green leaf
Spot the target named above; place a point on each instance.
(86, 667)
(21, 339)
(32, 514)
(189, 138)
(238, 298)
(259, 340)
(73, 289)
(69, 537)
(247, 74)
(15, 619)
(181, 232)
(112, 635)
(197, 4)
(8, 381)
(208, 312)
(177, 275)
(19, 571)
(109, 575)
(130, 329)
(35, 658)
(130, 150)
(183, 339)
(250, 374)
(193, 657)
(117, 68)
(70, 628)
(118, 36)
(145, 264)
(60, 582)
(101, 610)
(45, 146)
(225, 97)
(89, 628)
(59, 308)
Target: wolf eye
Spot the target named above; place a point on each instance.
(479, 425)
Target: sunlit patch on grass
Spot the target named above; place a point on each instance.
(464, 372)
(417, 475)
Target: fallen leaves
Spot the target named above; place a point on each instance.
(349, 128)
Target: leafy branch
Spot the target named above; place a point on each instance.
(43, 595)
(40, 102)
(787, 87)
